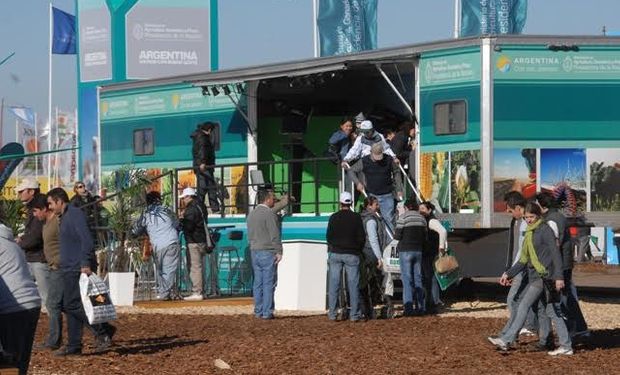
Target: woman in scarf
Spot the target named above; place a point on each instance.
(542, 259)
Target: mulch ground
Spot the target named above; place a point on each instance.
(189, 344)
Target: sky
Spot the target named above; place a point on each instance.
(256, 32)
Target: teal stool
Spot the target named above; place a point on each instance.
(230, 253)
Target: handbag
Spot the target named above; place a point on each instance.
(551, 293)
(446, 262)
(96, 299)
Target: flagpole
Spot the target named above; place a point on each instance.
(315, 37)
(36, 148)
(56, 146)
(49, 99)
(457, 18)
(16, 141)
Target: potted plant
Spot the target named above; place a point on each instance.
(123, 251)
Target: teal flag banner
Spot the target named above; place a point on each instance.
(347, 26)
(479, 17)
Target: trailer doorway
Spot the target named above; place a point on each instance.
(298, 114)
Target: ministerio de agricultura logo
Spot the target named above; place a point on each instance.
(503, 64)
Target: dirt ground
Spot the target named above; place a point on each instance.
(189, 344)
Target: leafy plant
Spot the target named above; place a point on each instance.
(126, 204)
(11, 213)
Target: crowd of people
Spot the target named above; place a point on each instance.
(40, 270)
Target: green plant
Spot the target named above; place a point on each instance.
(126, 204)
(11, 213)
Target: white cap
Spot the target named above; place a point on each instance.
(27, 183)
(366, 125)
(345, 197)
(188, 192)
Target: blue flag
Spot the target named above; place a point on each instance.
(63, 41)
(492, 17)
(347, 26)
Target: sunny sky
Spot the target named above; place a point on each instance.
(256, 32)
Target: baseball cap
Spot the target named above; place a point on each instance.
(345, 197)
(366, 125)
(188, 192)
(376, 151)
(27, 183)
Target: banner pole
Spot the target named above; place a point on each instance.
(49, 101)
(315, 37)
(457, 18)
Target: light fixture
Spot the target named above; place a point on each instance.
(205, 91)
(239, 88)
(215, 91)
(226, 90)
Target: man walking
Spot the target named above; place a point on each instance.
(31, 241)
(76, 256)
(575, 321)
(345, 241)
(380, 177)
(266, 249)
(203, 155)
(194, 224)
(161, 225)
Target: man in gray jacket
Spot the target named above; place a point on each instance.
(266, 250)
(20, 304)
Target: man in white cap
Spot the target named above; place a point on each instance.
(378, 176)
(31, 240)
(345, 240)
(362, 144)
(194, 224)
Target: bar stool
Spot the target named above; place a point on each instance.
(231, 252)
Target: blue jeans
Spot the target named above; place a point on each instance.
(551, 312)
(575, 320)
(411, 275)
(386, 206)
(54, 308)
(167, 262)
(264, 267)
(40, 274)
(351, 265)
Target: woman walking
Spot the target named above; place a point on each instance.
(544, 265)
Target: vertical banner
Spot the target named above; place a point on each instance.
(165, 38)
(95, 43)
(347, 26)
(89, 137)
(479, 17)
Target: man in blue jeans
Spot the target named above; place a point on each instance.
(345, 240)
(411, 232)
(266, 249)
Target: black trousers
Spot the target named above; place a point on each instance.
(575, 322)
(207, 185)
(16, 336)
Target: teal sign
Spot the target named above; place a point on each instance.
(450, 69)
(549, 65)
(169, 102)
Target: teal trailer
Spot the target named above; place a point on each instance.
(495, 114)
